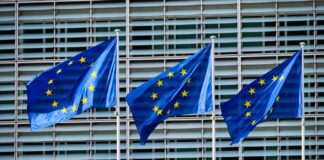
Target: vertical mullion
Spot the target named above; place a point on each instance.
(127, 112)
(127, 29)
(152, 36)
(202, 36)
(315, 79)
(202, 139)
(44, 39)
(239, 79)
(165, 36)
(54, 30)
(314, 25)
(127, 79)
(316, 138)
(218, 28)
(54, 139)
(286, 34)
(239, 58)
(277, 27)
(316, 103)
(263, 34)
(16, 83)
(66, 35)
(164, 68)
(239, 27)
(315, 58)
(91, 23)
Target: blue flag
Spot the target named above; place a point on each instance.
(277, 94)
(73, 86)
(183, 89)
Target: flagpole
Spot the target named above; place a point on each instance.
(303, 105)
(213, 99)
(117, 96)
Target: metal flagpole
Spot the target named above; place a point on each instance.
(118, 101)
(213, 100)
(303, 117)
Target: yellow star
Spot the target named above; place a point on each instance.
(278, 98)
(74, 108)
(247, 104)
(262, 82)
(274, 78)
(54, 104)
(93, 74)
(91, 64)
(48, 92)
(63, 110)
(154, 95)
(59, 71)
(169, 111)
(271, 110)
(170, 74)
(252, 91)
(50, 81)
(82, 60)
(156, 108)
(84, 100)
(183, 72)
(189, 80)
(159, 83)
(160, 112)
(265, 117)
(253, 122)
(176, 104)
(70, 63)
(282, 77)
(184, 93)
(91, 88)
(247, 114)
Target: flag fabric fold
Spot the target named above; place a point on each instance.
(276, 94)
(73, 86)
(183, 89)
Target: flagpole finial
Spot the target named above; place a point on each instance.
(212, 37)
(117, 31)
(302, 43)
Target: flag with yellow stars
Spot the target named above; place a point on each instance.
(276, 94)
(73, 86)
(183, 89)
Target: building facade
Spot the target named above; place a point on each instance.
(252, 37)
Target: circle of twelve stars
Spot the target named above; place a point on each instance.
(252, 91)
(159, 83)
(84, 100)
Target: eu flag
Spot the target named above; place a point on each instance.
(183, 89)
(73, 86)
(276, 94)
